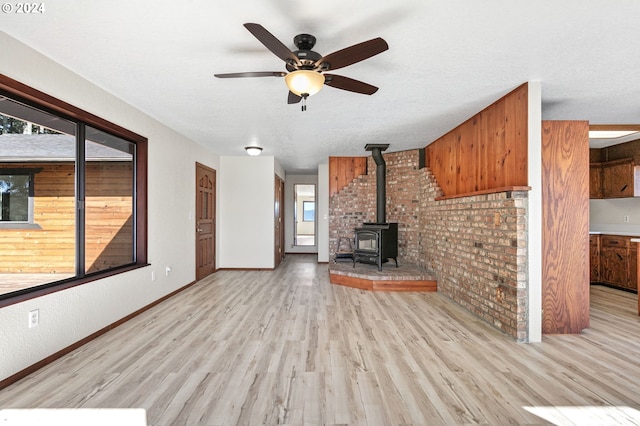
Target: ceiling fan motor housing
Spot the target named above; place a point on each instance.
(307, 57)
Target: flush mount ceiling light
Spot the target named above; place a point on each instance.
(253, 150)
(304, 82)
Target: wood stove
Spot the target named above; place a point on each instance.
(377, 242)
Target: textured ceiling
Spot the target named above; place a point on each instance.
(446, 61)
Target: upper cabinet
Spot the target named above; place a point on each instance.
(595, 180)
(620, 178)
(614, 179)
(614, 171)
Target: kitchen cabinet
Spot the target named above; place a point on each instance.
(595, 180)
(620, 178)
(633, 266)
(618, 262)
(594, 257)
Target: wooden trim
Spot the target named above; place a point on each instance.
(141, 226)
(51, 358)
(614, 127)
(613, 162)
(58, 106)
(485, 191)
(32, 293)
(384, 285)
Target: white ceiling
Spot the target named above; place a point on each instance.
(446, 61)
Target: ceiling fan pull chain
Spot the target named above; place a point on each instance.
(304, 104)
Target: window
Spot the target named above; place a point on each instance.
(308, 211)
(72, 195)
(14, 197)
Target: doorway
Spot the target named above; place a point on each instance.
(205, 221)
(304, 222)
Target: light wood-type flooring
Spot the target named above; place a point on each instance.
(287, 347)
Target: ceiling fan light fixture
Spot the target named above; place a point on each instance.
(304, 82)
(253, 150)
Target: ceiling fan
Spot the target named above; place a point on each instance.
(307, 69)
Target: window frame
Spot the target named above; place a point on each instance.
(30, 223)
(22, 93)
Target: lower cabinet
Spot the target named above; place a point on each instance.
(617, 262)
(633, 266)
(594, 258)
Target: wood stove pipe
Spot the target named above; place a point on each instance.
(381, 180)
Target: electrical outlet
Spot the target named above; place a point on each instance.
(34, 318)
(626, 218)
(167, 271)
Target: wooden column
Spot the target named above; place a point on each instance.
(565, 239)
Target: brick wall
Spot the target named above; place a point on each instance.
(475, 245)
(356, 204)
(477, 248)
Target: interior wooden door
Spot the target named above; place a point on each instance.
(278, 221)
(205, 221)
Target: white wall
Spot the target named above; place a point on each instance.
(289, 217)
(70, 315)
(246, 212)
(608, 215)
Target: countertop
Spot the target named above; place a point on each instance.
(622, 233)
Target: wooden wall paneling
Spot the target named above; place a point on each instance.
(463, 167)
(333, 175)
(343, 170)
(565, 239)
(488, 151)
(521, 133)
(506, 112)
(449, 161)
(481, 137)
(470, 160)
(501, 162)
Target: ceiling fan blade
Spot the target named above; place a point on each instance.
(252, 74)
(346, 83)
(272, 43)
(351, 55)
(293, 98)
